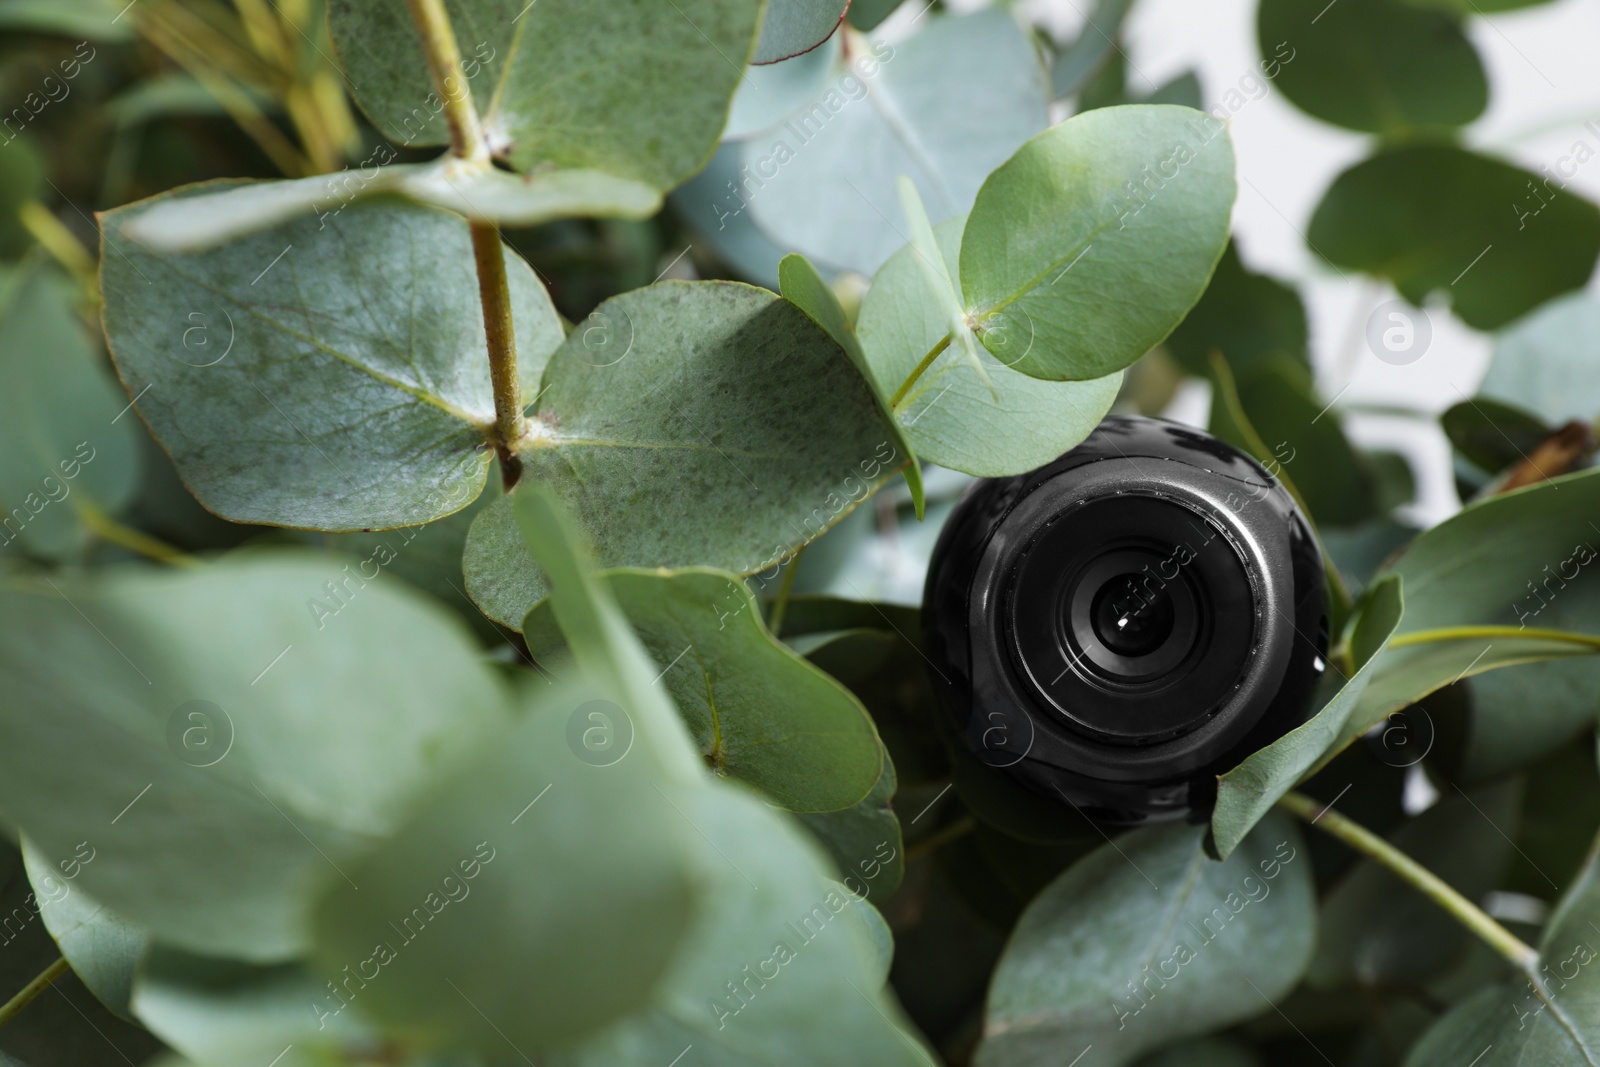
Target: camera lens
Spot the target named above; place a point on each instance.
(1119, 626)
(1131, 618)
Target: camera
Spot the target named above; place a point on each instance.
(1118, 627)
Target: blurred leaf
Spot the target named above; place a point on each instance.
(1068, 273)
(1474, 7)
(1247, 793)
(755, 710)
(769, 94)
(1375, 929)
(1077, 63)
(1560, 816)
(1250, 318)
(248, 659)
(864, 840)
(1543, 365)
(746, 840)
(886, 671)
(102, 947)
(651, 112)
(517, 835)
(64, 444)
(332, 381)
(1146, 941)
(1382, 66)
(865, 15)
(791, 27)
(1360, 550)
(1183, 91)
(1510, 1023)
(944, 107)
(96, 20)
(949, 416)
(166, 94)
(721, 221)
(1205, 1052)
(199, 219)
(220, 1012)
(1435, 218)
(1331, 477)
(1491, 434)
(22, 178)
(680, 427)
(1479, 568)
(804, 287)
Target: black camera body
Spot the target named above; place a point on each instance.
(1119, 626)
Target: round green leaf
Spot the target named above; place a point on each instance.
(949, 416)
(680, 425)
(755, 710)
(102, 947)
(1248, 317)
(541, 850)
(944, 107)
(791, 27)
(1383, 66)
(65, 437)
(1491, 434)
(1089, 245)
(634, 88)
(1146, 941)
(228, 738)
(1494, 238)
(328, 374)
(1544, 363)
(864, 840)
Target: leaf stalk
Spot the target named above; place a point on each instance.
(1522, 955)
(13, 1007)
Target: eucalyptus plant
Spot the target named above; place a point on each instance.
(433, 609)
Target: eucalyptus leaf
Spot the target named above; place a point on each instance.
(1382, 66)
(1436, 218)
(93, 19)
(712, 207)
(1247, 793)
(865, 15)
(22, 177)
(1551, 1016)
(248, 724)
(1375, 929)
(1503, 561)
(650, 112)
(1541, 364)
(1146, 941)
(507, 855)
(1078, 62)
(679, 425)
(944, 107)
(102, 947)
(325, 374)
(864, 840)
(769, 94)
(756, 711)
(804, 288)
(66, 443)
(1087, 247)
(1249, 318)
(1492, 434)
(949, 415)
(477, 190)
(792, 27)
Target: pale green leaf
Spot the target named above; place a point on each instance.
(102, 947)
(792, 27)
(324, 374)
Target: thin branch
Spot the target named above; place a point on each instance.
(1408, 870)
(14, 1006)
(444, 65)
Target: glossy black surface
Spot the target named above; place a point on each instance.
(1220, 582)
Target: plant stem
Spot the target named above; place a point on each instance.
(106, 528)
(444, 64)
(917, 372)
(1463, 633)
(941, 837)
(12, 1007)
(466, 142)
(1408, 870)
(501, 336)
(780, 603)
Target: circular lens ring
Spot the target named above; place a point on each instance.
(1055, 655)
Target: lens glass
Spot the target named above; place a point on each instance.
(1131, 616)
